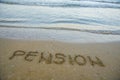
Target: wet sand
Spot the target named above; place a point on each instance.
(21, 60)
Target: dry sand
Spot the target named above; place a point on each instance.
(67, 61)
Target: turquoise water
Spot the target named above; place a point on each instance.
(96, 16)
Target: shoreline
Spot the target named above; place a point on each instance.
(57, 35)
(59, 41)
(104, 32)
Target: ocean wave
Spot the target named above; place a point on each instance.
(67, 3)
(75, 21)
(103, 32)
(90, 19)
(12, 20)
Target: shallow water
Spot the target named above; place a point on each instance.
(96, 16)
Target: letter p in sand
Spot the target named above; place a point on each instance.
(17, 53)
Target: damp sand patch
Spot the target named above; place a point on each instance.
(54, 60)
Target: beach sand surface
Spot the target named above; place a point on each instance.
(21, 60)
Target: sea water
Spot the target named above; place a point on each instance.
(78, 20)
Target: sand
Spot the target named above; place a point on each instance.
(21, 60)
